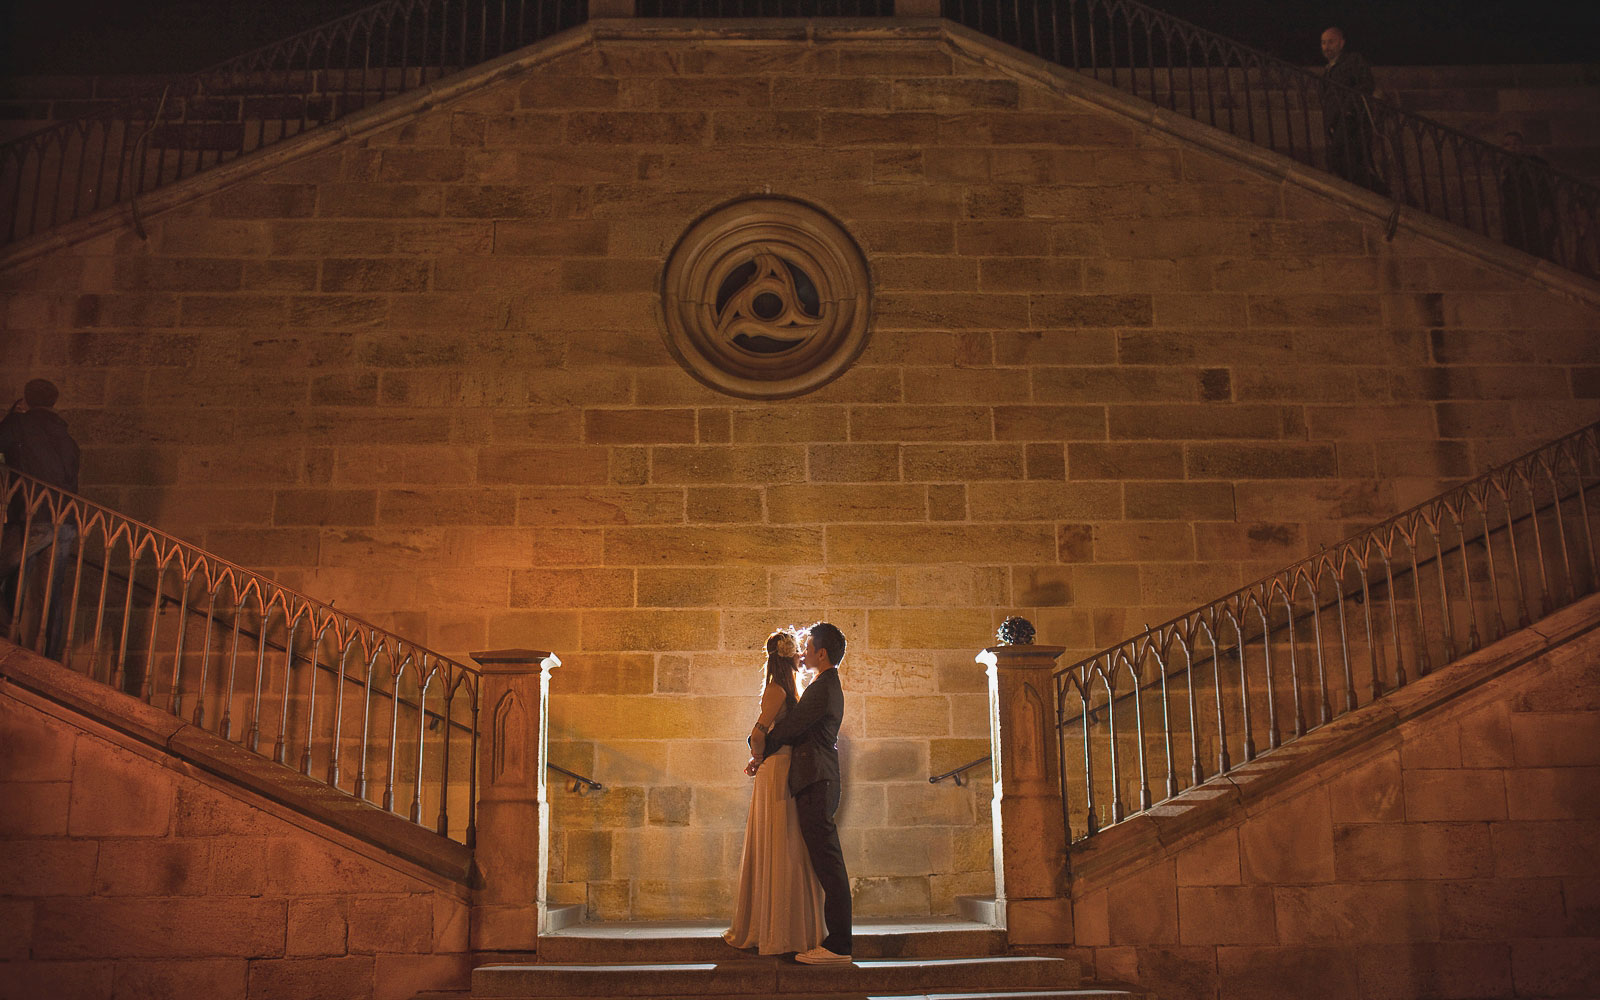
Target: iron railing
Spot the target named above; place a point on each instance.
(579, 782)
(286, 676)
(72, 168)
(959, 775)
(1171, 708)
(1420, 163)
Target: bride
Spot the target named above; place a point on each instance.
(779, 904)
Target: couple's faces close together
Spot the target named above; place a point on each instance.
(810, 656)
(813, 657)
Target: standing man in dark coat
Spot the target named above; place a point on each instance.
(1345, 116)
(812, 728)
(34, 440)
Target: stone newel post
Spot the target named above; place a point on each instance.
(508, 906)
(1030, 847)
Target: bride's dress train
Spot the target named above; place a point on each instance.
(779, 906)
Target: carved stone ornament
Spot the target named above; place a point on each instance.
(765, 298)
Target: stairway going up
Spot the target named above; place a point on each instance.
(125, 150)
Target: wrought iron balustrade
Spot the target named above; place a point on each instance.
(339, 698)
(72, 168)
(1423, 164)
(1180, 703)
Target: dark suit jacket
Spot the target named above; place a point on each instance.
(812, 728)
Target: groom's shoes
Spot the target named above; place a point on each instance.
(821, 956)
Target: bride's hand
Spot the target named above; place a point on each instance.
(752, 766)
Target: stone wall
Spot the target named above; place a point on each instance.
(125, 873)
(1112, 374)
(1449, 856)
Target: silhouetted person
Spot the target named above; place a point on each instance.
(1527, 205)
(1345, 115)
(34, 440)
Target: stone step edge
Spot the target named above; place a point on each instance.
(971, 910)
(1081, 993)
(1084, 993)
(779, 976)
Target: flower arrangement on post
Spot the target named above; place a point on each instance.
(1015, 631)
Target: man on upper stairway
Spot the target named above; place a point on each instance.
(1346, 116)
(34, 440)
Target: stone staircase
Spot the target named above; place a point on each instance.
(935, 957)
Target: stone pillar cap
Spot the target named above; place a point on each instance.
(993, 654)
(507, 660)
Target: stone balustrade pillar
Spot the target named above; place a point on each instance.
(1032, 898)
(513, 817)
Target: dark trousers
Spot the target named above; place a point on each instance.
(43, 538)
(1350, 148)
(816, 804)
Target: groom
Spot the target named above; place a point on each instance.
(812, 728)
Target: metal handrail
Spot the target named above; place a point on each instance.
(1228, 674)
(70, 169)
(1351, 591)
(1419, 163)
(165, 601)
(578, 780)
(959, 774)
(195, 667)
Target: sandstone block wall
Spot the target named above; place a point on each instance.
(124, 875)
(1111, 376)
(1453, 857)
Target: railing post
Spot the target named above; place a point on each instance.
(1032, 900)
(513, 812)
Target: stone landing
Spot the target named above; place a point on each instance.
(915, 959)
(701, 940)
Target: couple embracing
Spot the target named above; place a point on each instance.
(794, 892)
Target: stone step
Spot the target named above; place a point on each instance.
(701, 941)
(775, 977)
(1043, 993)
(1086, 993)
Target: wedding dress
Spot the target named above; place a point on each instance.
(779, 904)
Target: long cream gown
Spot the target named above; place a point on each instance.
(779, 905)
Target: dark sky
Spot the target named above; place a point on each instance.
(120, 36)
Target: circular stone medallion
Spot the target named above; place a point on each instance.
(765, 298)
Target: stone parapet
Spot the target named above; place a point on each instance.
(296, 793)
(141, 861)
(1443, 816)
